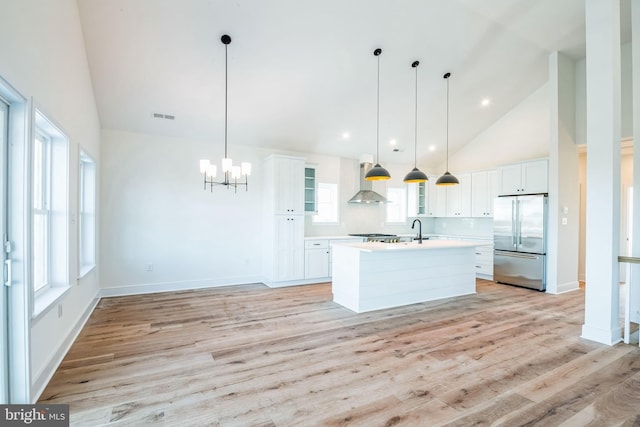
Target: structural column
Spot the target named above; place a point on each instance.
(603, 171)
(563, 232)
(634, 290)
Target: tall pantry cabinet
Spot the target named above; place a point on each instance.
(283, 240)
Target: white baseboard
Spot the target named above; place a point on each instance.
(286, 283)
(608, 337)
(152, 288)
(43, 379)
(565, 287)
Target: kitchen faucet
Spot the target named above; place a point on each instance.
(419, 229)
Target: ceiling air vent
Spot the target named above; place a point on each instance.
(164, 116)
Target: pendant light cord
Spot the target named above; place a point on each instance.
(415, 144)
(378, 117)
(225, 101)
(447, 124)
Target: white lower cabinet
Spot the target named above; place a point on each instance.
(484, 262)
(289, 245)
(316, 259)
(484, 254)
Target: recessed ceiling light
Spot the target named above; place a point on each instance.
(432, 148)
(345, 135)
(393, 142)
(485, 102)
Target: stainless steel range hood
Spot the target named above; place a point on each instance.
(366, 194)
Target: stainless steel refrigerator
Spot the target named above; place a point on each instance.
(520, 244)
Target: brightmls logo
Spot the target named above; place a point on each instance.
(34, 415)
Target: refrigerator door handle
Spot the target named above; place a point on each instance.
(519, 229)
(513, 223)
(517, 255)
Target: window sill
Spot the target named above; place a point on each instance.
(85, 270)
(47, 300)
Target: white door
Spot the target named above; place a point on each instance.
(4, 329)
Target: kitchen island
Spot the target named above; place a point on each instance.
(374, 275)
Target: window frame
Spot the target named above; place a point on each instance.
(335, 192)
(57, 204)
(402, 205)
(42, 207)
(87, 170)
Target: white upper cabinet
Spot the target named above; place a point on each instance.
(458, 199)
(523, 178)
(288, 184)
(436, 199)
(484, 188)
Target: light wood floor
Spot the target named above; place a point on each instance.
(254, 356)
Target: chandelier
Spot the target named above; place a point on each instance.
(231, 173)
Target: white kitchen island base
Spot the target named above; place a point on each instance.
(373, 276)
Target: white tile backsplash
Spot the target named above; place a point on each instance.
(473, 227)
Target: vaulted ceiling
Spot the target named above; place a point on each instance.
(302, 73)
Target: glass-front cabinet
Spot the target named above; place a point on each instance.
(417, 199)
(422, 199)
(310, 190)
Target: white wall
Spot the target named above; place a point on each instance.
(155, 211)
(43, 57)
(521, 134)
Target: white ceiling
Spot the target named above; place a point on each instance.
(302, 72)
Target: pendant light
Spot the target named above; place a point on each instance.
(416, 175)
(377, 173)
(231, 172)
(447, 178)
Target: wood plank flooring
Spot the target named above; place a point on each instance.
(254, 356)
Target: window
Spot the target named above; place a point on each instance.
(87, 214)
(397, 206)
(327, 203)
(41, 210)
(49, 229)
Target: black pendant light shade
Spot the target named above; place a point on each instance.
(416, 175)
(377, 173)
(447, 178)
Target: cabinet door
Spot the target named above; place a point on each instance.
(310, 190)
(289, 247)
(535, 177)
(492, 190)
(436, 198)
(509, 178)
(484, 188)
(479, 194)
(417, 199)
(289, 186)
(316, 263)
(459, 197)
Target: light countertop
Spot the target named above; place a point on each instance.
(331, 237)
(411, 246)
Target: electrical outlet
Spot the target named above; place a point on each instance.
(150, 267)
